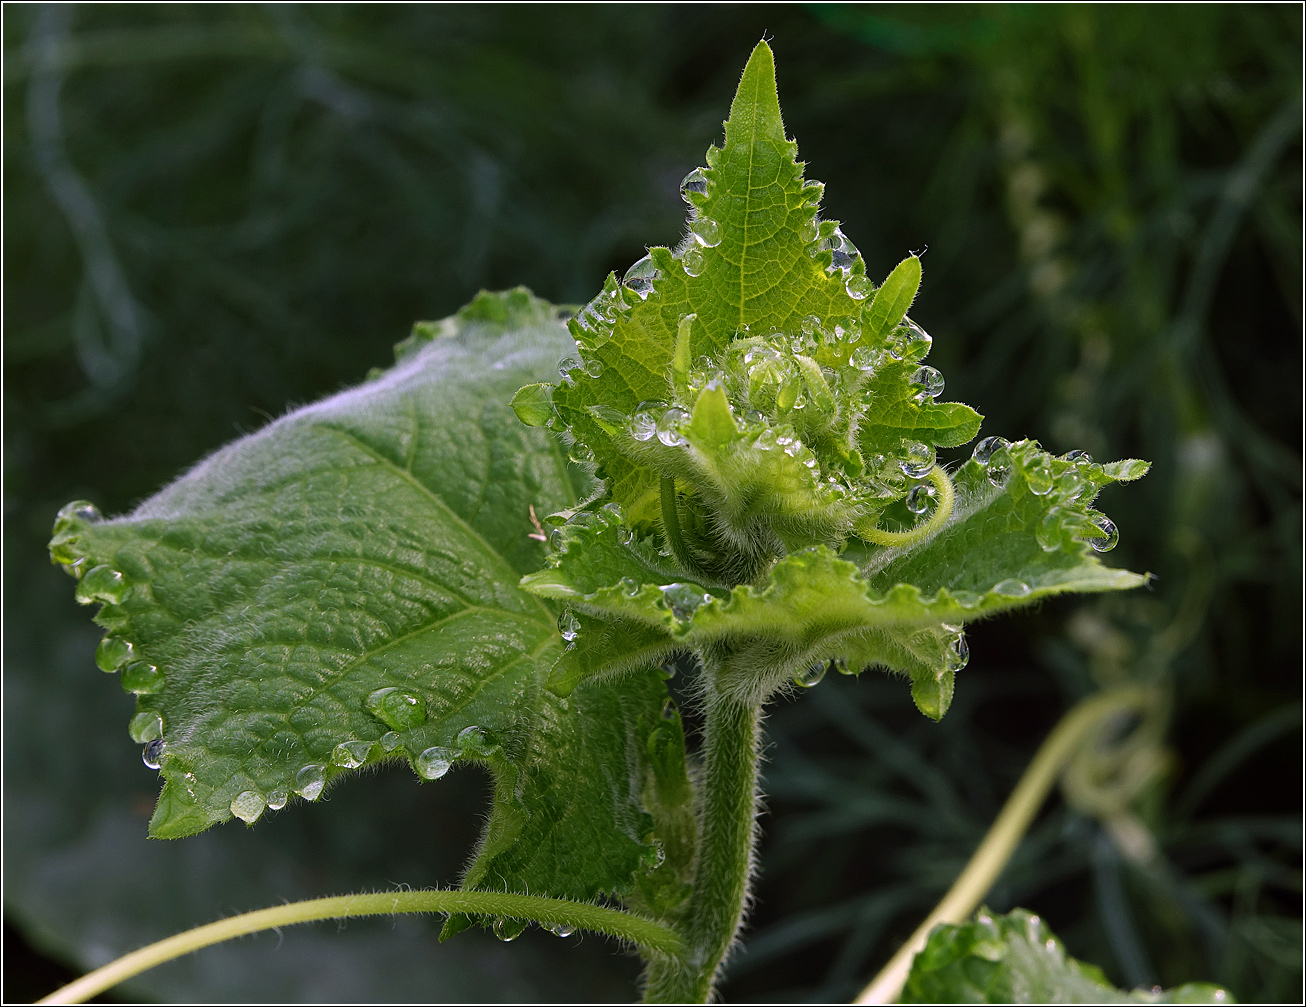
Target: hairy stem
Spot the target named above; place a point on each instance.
(725, 854)
(1005, 834)
(671, 524)
(942, 511)
(653, 939)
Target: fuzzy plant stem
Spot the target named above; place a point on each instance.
(653, 939)
(725, 855)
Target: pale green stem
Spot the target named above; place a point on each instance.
(725, 853)
(1005, 834)
(651, 937)
(942, 511)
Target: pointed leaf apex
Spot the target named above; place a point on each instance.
(755, 112)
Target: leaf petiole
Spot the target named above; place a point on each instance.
(650, 937)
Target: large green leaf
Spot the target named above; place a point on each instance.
(1016, 959)
(340, 589)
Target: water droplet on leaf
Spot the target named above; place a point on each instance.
(643, 426)
(113, 652)
(1038, 477)
(278, 799)
(560, 929)
(568, 365)
(958, 653)
(930, 380)
(1011, 588)
(142, 679)
(694, 261)
(1048, 532)
(683, 599)
(102, 583)
(152, 753)
(310, 781)
(706, 232)
(858, 287)
(399, 710)
(985, 448)
(434, 762)
(145, 726)
(919, 460)
(351, 754)
(568, 625)
(508, 930)
(391, 740)
(919, 498)
(695, 181)
(812, 676)
(1108, 534)
(669, 427)
(247, 806)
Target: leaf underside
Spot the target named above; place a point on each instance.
(1016, 959)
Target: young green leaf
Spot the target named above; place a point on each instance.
(756, 401)
(1016, 959)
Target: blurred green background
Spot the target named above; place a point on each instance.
(213, 213)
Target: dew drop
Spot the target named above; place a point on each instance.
(683, 599)
(643, 426)
(145, 726)
(568, 625)
(919, 460)
(639, 278)
(101, 583)
(391, 740)
(310, 781)
(560, 929)
(864, 358)
(1071, 484)
(351, 754)
(998, 468)
(930, 380)
(985, 448)
(397, 709)
(858, 287)
(508, 930)
(918, 500)
(80, 510)
(958, 653)
(695, 181)
(1048, 532)
(1080, 458)
(669, 427)
(113, 652)
(247, 806)
(476, 742)
(152, 753)
(143, 679)
(1038, 477)
(841, 666)
(706, 232)
(606, 414)
(694, 261)
(812, 676)
(1011, 588)
(913, 342)
(568, 365)
(629, 586)
(278, 799)
(434, 762)
(1108, 534)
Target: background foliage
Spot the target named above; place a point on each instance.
(215, 212)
